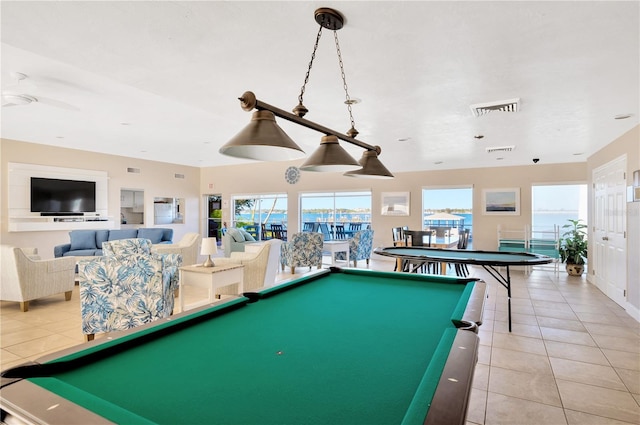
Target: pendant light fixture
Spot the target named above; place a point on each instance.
(371, 167)
(263, 139)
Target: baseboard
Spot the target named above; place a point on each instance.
(632, 311)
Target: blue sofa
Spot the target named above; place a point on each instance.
(87, 243)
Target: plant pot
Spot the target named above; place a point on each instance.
(575, 269)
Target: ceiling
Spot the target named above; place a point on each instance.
(160, 80)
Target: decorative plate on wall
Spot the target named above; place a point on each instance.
(292, 175)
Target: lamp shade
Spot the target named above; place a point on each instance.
(209, 246)
(372, 168)
(330, 156)
(262, 139)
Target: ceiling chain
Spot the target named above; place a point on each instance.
(352, 131)
(301, 110)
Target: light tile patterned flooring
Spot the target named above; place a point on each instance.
(573, 356)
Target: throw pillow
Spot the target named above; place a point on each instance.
(154, 235)
(115, 235)
(101, 236)
(235, 235)
(247, 235)
(82, 239)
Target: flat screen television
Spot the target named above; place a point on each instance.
(57, 196)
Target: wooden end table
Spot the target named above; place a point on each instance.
(210, 278)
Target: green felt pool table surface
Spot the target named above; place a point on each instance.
(340, 346)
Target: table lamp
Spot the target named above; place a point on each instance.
(209, 246)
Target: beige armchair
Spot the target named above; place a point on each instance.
(260, 267)
(26, 277)
(188, 247)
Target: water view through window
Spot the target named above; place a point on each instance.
(555, 204)
(448, 210)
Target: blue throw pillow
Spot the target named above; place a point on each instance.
(235, 234)
(82, 239)
(115, 235)
(101, 236)
(154, 235)
(247, 235)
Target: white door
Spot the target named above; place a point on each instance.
(608, 245)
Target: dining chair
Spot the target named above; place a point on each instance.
(354, 227)
(278, 232)
(324, 229)
(340, 233)
(398, 236)
(265, 234)
(417, 238)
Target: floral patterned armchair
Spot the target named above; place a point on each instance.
(360, 247)
(302, 249)
(127, 287)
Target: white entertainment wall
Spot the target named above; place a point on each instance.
(21, 219)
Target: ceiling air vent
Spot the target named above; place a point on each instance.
(178, 176)
(500, 149)
(133, 170)
(511, 105)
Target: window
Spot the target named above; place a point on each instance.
(448, 210)
(325, 211)
(555, 204)
(253, 212)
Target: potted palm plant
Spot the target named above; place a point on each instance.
(573, 247)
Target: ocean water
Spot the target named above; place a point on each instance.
(541, 221)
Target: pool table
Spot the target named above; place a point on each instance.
(337, 346)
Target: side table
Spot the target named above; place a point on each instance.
(210, 278)
(336, 246)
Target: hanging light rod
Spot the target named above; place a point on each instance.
(249, 102)
(263, 139)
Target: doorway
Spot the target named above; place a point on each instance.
(214, 217)
(609, 245)
(131, 207)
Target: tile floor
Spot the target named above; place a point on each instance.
(573, 356)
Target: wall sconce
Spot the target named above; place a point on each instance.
(263, 139)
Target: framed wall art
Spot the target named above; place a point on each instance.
(395, 203)
(501, 201)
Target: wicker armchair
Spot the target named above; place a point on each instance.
(127, 287)
(188, 248)
(260, 267)
(303, 249)
(25, 277)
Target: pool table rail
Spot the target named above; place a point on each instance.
(472, 317)
(450, 402)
